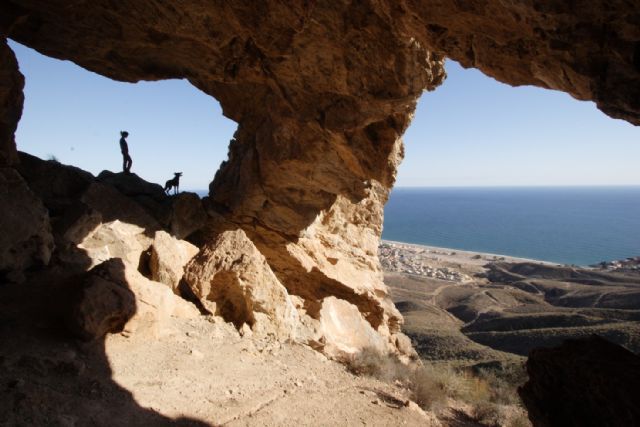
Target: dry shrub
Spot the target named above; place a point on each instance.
(487, 389)
(486, 413)
(429, 388)
(372, 363)
(503, 382)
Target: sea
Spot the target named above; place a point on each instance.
(568, 225)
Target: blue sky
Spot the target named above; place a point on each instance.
(472, 131)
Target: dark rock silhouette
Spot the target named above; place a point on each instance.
(102, 302)
(586, 382)
(25, 228)
(11, 100)
(54, 368)
(132, 185)
(48, 377)
(187, 215)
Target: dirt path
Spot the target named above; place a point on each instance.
(199, 372)
(206, 371)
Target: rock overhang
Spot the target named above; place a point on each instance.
(322, 94)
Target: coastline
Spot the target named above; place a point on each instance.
(462, 256)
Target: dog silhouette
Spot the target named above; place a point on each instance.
(173, 182)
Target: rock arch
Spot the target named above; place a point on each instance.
(322, 93)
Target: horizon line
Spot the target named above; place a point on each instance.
(520, 186)
(417, 187)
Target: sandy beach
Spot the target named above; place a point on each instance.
(440, 263)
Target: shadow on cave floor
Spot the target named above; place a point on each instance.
(49, 378)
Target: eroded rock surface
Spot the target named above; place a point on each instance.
(11, 99)
(233, 280)
(103, 302)
(25, 230)
(168, 258)
(187, 215)
(345, 330)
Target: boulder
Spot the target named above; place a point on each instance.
(131, 185)
(156, 305)
(585, 382)
(77, 222)
(103, 302)
(346, 332)
(232, 274)
(146, 195)
(58, 185)
(187, 215)
(116, 239)
(114, 296)
(113, 205)
(26, 239)
(168, 258)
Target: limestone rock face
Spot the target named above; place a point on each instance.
(116, 239)
(25, 230)
(233, 280)
(280, 54)
(56, 184)
(345, 331)
(11, 99)
(168, 259)
(187, 215)
(114, 296)
(322, 92)
(104, 303)
(156, 304)
(588, 49)
(583, 382)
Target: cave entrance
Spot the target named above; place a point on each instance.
(518, 171)
(75, 116)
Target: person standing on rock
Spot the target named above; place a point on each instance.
(124, 148)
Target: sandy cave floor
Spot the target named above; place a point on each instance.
(200, 372)
(204, 370)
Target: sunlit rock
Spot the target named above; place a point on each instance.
(233, 280)
(168, 259)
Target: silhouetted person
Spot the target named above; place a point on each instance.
(124, 148)
(173, 182)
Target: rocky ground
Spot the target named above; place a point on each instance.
(108, 329)
(198, 372)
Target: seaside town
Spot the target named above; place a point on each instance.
(624, 265)
(420, 261)
(461, 266)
